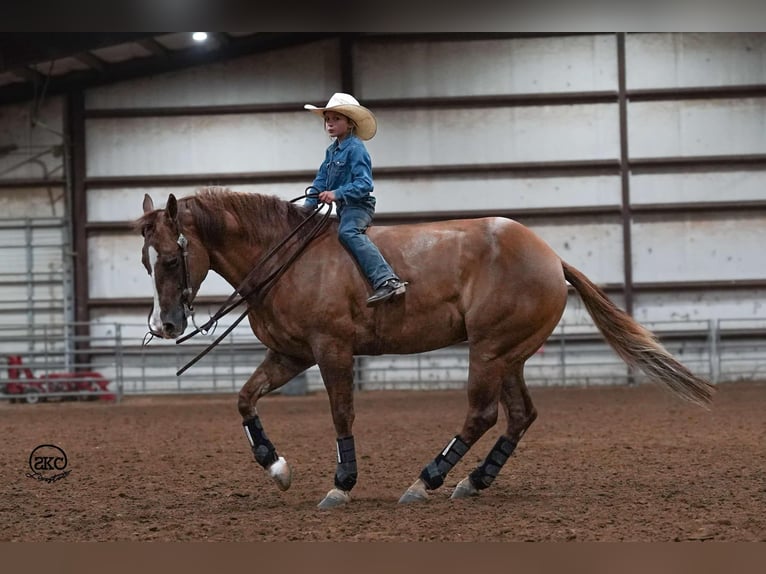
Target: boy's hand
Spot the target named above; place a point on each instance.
(327, 196)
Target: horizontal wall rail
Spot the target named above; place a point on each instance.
(721, 350)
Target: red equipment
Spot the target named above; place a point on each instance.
(35, 389)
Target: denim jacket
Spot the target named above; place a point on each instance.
(346, 170)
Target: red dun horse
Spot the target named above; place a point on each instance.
(491, 282)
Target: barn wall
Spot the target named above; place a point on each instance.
(522, 127)
(35, 250)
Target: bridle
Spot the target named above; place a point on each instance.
(186, 287)
(186, 292)
(248, 288)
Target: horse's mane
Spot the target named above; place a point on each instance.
(261, 218)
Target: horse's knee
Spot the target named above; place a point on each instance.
(244, 403)
(528, 420)
(517, 428)
(531, 417)
(479, 422)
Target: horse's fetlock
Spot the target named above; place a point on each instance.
(436, 471)
(345, 477)
(432, 476)
(346, 472)
(263, 450)
(483, 476)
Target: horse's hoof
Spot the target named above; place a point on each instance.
(334, 498)
(281, 473)
(413, 496)
(464, 489)
(415, 493)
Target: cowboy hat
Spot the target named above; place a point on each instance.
(346, 104)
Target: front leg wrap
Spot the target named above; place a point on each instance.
(483, 475)
(434, 474)
(345, 474)
(264, 452)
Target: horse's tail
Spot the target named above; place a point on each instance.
(635, 344)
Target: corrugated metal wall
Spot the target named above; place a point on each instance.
(645, 146)
(35, 276)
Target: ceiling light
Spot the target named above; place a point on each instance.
(199, 36)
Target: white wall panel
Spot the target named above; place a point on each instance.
(310, 73)
(467, 194)
(495, 135)
(700, 305)
(401, 195)
(276, 142)
(114, 204)
(33, 158)
(115, 269)
(699, 248)
(700, 186)
(32, 202)
(133, 326)
(690, 60)
(576, 318)
(205, 144)
(412, 69)
(697, 127)
(595, 247)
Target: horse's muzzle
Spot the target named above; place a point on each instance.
(173, 323)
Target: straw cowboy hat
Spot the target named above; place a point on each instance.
(346, 104)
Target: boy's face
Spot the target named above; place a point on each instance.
(337, 125)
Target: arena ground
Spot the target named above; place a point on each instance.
(600, 464)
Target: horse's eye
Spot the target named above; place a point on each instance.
(171, 262)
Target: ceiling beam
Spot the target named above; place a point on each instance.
(28, 75)
(91, 60)
(154, 47)
(175, 60)
(22, 49)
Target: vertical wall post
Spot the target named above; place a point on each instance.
(347, 64)
(627, 245)
(75, 137)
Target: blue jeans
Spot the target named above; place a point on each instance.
(353, 223)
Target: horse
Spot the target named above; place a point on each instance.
(490, 282)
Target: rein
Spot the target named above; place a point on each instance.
(246, 289)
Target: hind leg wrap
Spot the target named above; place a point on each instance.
(263, 450)
(483, 475)
(345, 474)
(436, 471)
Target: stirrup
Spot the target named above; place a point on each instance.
(380, 296)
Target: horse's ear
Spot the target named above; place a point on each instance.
(172, 207)
(148, 203)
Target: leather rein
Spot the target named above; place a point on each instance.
(248, 287)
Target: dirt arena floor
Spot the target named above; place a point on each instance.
(612, 464)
